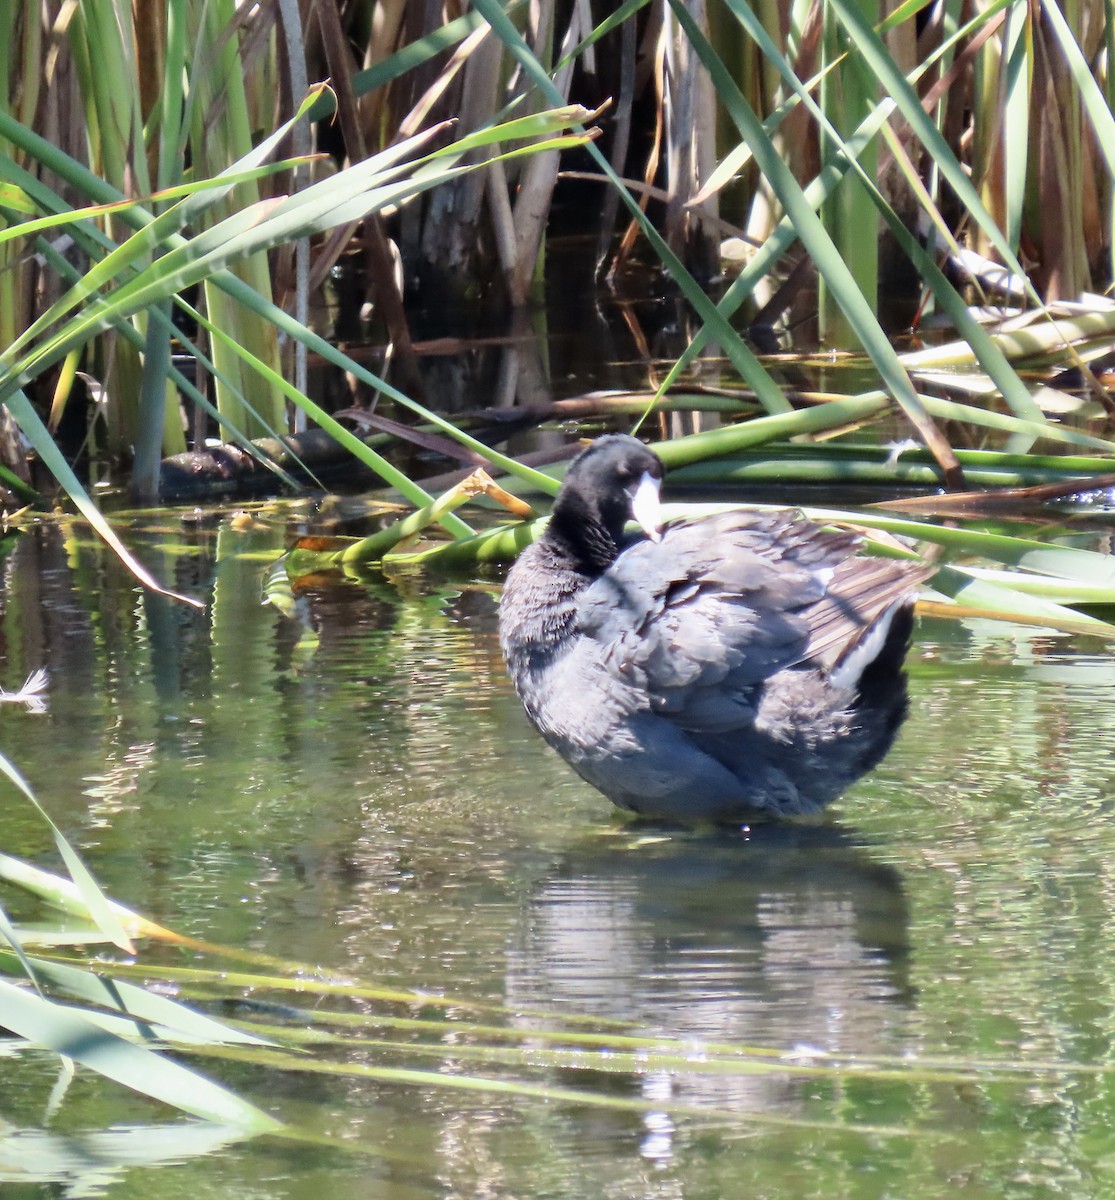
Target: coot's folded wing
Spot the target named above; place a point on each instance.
(860, 591)
(700, 619)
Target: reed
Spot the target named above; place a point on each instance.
(838, 121)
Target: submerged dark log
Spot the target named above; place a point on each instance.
(227, 469)
(309, 458)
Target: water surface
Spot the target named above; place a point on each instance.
(356, 789)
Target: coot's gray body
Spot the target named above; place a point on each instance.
(741, 666)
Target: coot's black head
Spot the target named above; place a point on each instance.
(614, 480)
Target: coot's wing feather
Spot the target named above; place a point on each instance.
(703, 617)
(860, 591)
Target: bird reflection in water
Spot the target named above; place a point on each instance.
(789, 938)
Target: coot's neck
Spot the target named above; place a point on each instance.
(583, 536)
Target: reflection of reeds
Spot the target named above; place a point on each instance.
(359, 1029)
(360, 1016)
(107, 1035)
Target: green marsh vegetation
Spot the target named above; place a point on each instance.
(167, 223)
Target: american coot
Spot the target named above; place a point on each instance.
(731, 668)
